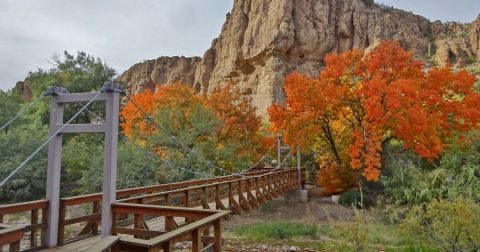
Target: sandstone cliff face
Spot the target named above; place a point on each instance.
(262, 41)
(163, 70)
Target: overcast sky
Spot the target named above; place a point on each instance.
(124, 32)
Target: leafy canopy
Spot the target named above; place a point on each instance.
(361, 100)
(189, 130)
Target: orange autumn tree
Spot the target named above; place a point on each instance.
(361, 101)
(191, 129)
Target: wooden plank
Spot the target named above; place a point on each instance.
(104, 244)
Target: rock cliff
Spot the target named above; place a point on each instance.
(262, 41)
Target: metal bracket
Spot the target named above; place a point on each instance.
(55, 91)
(109, 87)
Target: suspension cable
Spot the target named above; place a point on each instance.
(173, 138)
(47, 141)
(21, 112)
(150, 154)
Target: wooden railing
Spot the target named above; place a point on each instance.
(30, 212)
(243, 193)
(92, 202)
(10, 236)
(250, 192)
(197, 229)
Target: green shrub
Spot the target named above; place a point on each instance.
(277, 231)
(471, 60)
(355, 198)
(449, 225)
(369, 2)
(409, 180)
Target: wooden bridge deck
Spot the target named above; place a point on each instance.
(85, 244)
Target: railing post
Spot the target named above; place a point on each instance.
(168, 246)
(43, 232)
(34, 232)
(217, 235)
(61, 224)
(95, 209)
(196, 241)
(299, 166)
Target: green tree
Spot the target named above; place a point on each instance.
(10, 104)
(77, 73)
(15, 146)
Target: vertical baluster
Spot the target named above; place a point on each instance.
(95, 209)
(114, 221)
(43, 234)
(196, 241)
(34, 232)
(217, 235)
(61, 223)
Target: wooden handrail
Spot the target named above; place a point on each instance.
(23, 207)
(133, 199)
(82, 199)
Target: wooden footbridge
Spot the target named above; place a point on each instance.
(150, 218)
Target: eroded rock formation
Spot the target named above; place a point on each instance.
(262, 41)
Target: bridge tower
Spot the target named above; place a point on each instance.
(110, 94)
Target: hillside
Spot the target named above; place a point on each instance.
(262, 41)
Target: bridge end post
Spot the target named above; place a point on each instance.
(54, 173)
(302, 192)
(112, 92)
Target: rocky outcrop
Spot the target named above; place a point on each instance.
(262, 41)
(23, 90)
(164, 70)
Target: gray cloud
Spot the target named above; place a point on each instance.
(124, 32)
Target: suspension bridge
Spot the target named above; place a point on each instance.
(151, 218)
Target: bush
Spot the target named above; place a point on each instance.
(369, 2)
(449, 225)
(277, 231)
(356, 199)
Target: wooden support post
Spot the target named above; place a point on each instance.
(61, 224)
(299, 167)
(43, 232)
(95, 209)
(196, 241)
(110, 161)
(217, 233)
(168, 246)
(14, 247)
(206, 233)
(54, 172)
(34, 232)
(114, 221)
(137, 222)
(205, 198)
